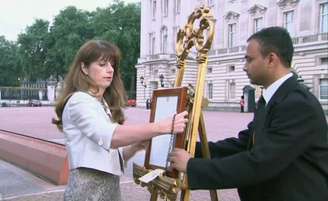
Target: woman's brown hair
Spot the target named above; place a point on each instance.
(76, 80)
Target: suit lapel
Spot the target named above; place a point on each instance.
(289, 85)
(263, 111)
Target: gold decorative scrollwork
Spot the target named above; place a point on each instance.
(190, 36)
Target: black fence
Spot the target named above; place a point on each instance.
(19, 93)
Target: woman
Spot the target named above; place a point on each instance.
(90, 115)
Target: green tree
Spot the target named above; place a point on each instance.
(44, 50)
(120, 24)
(9, 71)
(71, 28)
(33, 49)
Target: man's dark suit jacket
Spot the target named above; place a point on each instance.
(288, 160)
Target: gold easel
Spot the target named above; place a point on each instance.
(187, 38)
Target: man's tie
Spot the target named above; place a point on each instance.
(259, 115)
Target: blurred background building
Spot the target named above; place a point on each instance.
(236, 20)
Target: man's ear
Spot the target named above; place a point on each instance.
(273, 59)
(84, 69)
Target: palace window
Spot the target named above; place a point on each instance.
(324, 89)
(258, 24)
(164, 39)
(231, 68)
(232, 90)
(210, 90)
(324, 60)
(231, 35)
(230, 87)
(288, 21)
(323, 18)
(151, 43)
(177, 6)
(166, 8)
(153, 7)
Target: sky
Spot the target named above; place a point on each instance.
(16, 15)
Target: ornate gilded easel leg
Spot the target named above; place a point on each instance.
(154, 194)
(185, 194)
(205, 150)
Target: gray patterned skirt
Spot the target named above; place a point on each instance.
(92, 185)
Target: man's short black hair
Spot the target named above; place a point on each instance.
(277, 40)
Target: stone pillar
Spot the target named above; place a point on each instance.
(51, 91)
(40, 94)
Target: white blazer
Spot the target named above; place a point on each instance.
(88, 131)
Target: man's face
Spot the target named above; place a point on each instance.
(256, 65)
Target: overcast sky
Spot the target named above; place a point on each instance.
(15, 15)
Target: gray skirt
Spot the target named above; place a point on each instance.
(92, 185)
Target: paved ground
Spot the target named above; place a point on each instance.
(19, 185)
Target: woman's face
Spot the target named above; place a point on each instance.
(101, 73)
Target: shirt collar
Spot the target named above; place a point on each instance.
(269, 92)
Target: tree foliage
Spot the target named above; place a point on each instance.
(8, 63)
(120, 24)
(47, 49)
(32, 51)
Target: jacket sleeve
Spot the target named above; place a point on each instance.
(228, 146)
(293, 126)
(84, 112)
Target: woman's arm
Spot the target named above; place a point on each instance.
(130, 134)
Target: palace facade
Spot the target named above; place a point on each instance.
(236, 20)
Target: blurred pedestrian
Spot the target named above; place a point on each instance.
(242, 103)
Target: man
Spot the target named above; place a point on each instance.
(283, 155)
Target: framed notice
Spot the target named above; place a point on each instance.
(165, 103)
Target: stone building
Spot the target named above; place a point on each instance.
(236, 20)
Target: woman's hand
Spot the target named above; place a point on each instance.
(175, 124)
(179, 122)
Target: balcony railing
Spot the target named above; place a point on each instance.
(310, 38)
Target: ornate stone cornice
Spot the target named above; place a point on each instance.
(287, 3)
(231, 15)
(257, 8)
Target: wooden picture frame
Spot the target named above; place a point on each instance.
(165, 103)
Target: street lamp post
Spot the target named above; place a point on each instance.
(161, 79)
(144, 85)
(20, 88)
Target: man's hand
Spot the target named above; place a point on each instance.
(179, 159)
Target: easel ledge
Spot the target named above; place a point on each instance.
(166, 186)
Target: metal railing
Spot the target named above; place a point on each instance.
(21, 93)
